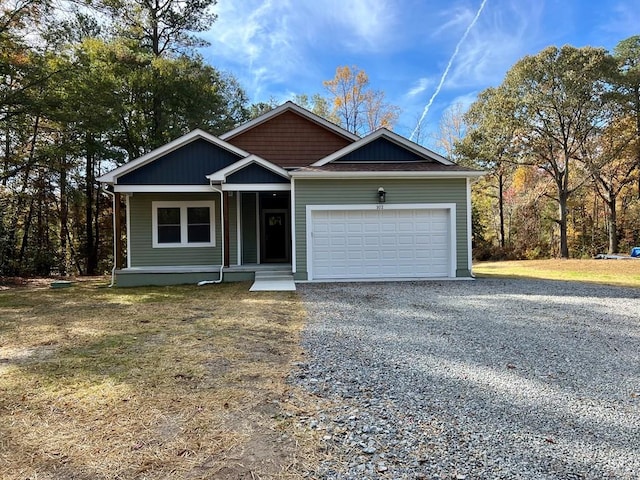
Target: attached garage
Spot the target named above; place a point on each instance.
(381, 241)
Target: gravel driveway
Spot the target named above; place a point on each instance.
(490, 379)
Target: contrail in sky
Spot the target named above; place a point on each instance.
(446, 70)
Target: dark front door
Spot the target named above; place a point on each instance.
(275, 236)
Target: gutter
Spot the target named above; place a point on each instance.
(209, 282)
(386, 174)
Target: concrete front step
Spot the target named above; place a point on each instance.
(273, 281)
(274, 275)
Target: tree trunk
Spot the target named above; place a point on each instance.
(21, 197)
(564, 244)
(501, 208)
(97, 233)
(637, 108)
(7, 154)
(90, 250)
(64, 218)
(613, 225)
(25, 238)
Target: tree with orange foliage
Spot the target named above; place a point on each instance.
(359, 109)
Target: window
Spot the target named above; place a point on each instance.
(168, 225)
(183, 224)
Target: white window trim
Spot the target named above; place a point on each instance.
(183, 223)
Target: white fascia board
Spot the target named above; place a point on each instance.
(162, 188)
(255, 187)
(283, 108)
(112, 176)
(393, 137)
(222, 174)
(363, 175)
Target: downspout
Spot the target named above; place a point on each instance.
(113, 220)
(209, 282)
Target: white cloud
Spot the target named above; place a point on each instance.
(504, 33)
(272, 40)
(366, 23)
(420, 86)
(456, 21)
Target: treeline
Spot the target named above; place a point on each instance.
(560, 138)
(87, 86)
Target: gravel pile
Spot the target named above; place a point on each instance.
(490, 379)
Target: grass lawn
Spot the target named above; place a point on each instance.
(153, 383)
(610, 272)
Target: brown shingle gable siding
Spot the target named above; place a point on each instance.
(290, 140)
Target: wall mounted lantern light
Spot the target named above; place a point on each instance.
(382, 195)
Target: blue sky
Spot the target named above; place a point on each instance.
(279, 48)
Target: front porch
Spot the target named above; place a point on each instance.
(258, 228)
(252, 232)
(192, 274)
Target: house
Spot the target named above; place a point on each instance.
(290, 190)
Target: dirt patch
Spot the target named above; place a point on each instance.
(154, 383)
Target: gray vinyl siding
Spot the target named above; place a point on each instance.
(336, 192)
(143, 254)
(249, 229)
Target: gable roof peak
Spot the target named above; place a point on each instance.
(290, 106)
(111, 176)
(392, 137)
(222, 174)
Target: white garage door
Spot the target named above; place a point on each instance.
(389, 243)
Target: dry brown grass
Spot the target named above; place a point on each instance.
(165, 382)
(608, 272)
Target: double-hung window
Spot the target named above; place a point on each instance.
(183, 224)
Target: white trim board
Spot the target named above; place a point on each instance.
(255, 187)
(380, 174)
(469, 228)
(163, 189)
(128, 227)
(226, 187)
(183, 206)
